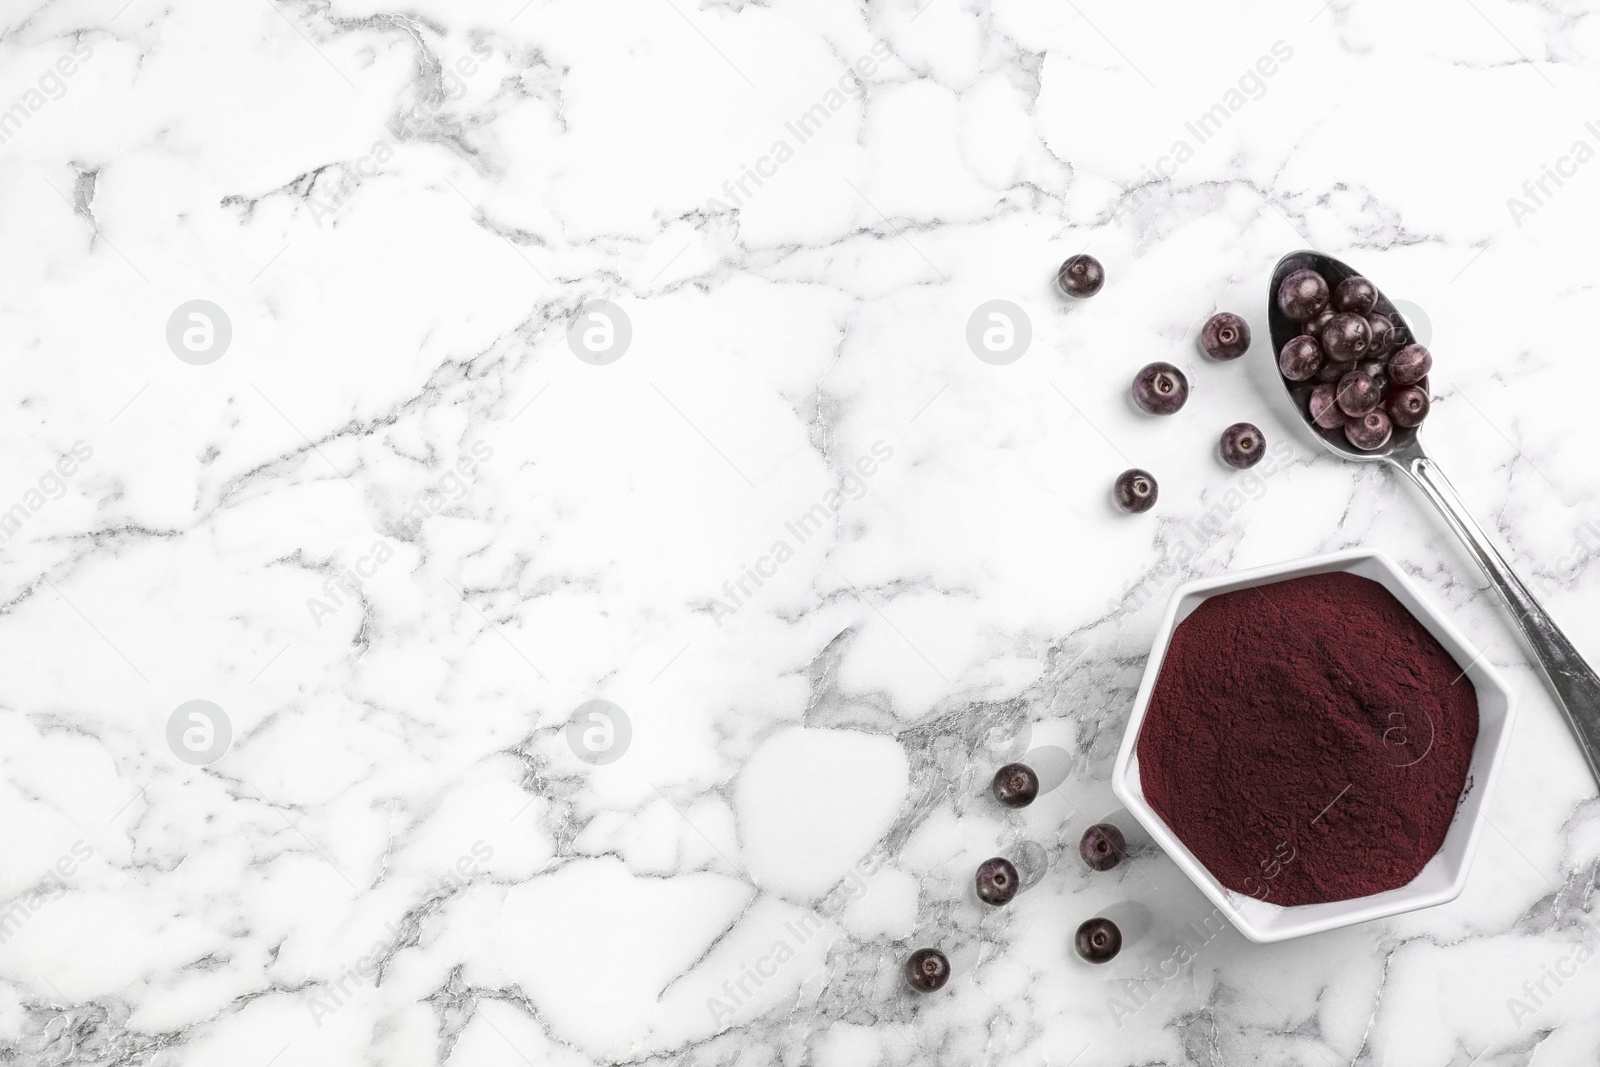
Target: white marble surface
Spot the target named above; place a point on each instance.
(399, 859)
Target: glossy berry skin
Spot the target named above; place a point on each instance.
(997, 881)
(1410, 365)
(1355, 294)
(1325, 408)
(1015, 785)
(1358, 394)
(1135, 491)
(1408, 406)
(1242, 445)
(1346, 337)
(1300, 359)
(1313, 327)
(1160, 388)
(1382, 331)
(1098, 940)
(1377, 370)
(927, 970)
(1303, 295)
(1370, 432)
(1332, 372)
(1225, 336)
(1081, 276)
(1102, 846)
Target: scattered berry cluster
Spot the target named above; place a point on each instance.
(1368, 379)
(1102, 847)
(1162, 389)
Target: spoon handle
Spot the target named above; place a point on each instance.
(1576, 688)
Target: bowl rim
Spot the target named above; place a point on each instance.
(1391, 902)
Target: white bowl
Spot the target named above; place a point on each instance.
(1446, 874)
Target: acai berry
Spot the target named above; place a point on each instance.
(1225, 336)
(1081, 276)
(1135, 491)
(1346, 336)
(1015, 785)
(1242, 445)
(1355, 294)
(1102, 846)
(1370, 432)
(1300, 359)
(1303, 295)
(927, 970)
(1098, 940)
(1160, 388)
(997, 881)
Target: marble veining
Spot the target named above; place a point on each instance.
(546, 440)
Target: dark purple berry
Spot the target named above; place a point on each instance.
(1015, 785)
(1377, 370)
(1098, 940)
(1160, 388)
(1355, 294)
(1300, 358)
(1135, 490)
(1102, 846)
(1302, 295)
(1225, 336)
(1382, 331)
(1358, 394)
(927, 970)
(1242, 445)
(1325, 408)
(1409, 406)
(1410, 365)
(1313, 327)
(1370, 432)
(1331, 371)
(998, 881)
(1346, 336)
(1081, 276)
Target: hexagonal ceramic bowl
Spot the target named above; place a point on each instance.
(1446, 874)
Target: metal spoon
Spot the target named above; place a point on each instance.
(1571, 680)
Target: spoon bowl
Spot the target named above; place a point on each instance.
(1404, 438)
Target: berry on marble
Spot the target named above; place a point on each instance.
(1242, 445)
(1135, 491)
(1225, 336)
(1160, 388)
(927, 970)
(1098, 940)
(1015, 785)
(1102, 846)
(997, 881)
(1081, 276)
(1346, 336)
